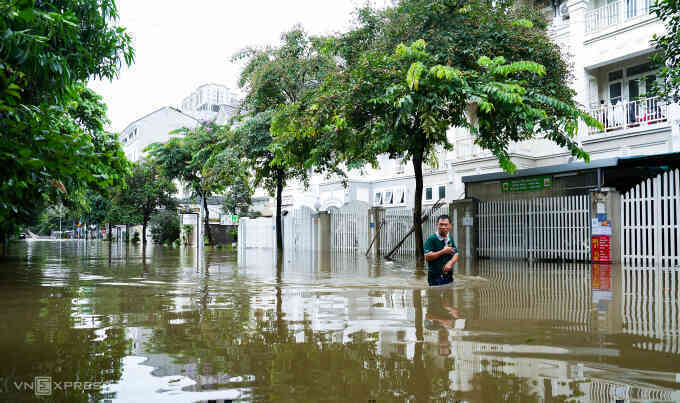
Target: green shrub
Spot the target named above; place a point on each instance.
(165, 227)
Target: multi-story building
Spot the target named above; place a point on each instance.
(608, 43)
(211, 102)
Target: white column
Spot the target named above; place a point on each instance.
(577, 31)
(674, 119)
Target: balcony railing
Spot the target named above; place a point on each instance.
(638, 113)
(615, 13)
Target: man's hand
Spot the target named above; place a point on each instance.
(448, 249)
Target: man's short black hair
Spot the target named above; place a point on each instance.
(443, 217)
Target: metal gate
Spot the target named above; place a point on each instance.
(552, 228)
(649, 213)
(349, 227)
(299, 229)
(398, 221)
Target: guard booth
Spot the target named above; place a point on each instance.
(577, 211)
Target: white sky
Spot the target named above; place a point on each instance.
(182, 44)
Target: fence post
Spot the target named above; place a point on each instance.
(463, 214)
(323, 224)
(605, 214)
(376, 215)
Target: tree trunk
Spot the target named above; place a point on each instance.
(108, 232)
(279, 228)
(144, 231)
(418, 207)
(207, 220)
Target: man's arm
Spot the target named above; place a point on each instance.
(435, 255)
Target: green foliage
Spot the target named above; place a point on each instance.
(238, 197)
(146, 192)
(198, 160)
(406, 74)
(53, 145)
(165, 227)
(668, 46)
(278, 82)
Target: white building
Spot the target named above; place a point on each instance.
(212, 102)
(152, 128)
(609, 44)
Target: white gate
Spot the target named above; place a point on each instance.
(649, 213)
(349, 227)
(398, 221)
(543, 229)
(298, 229)
(256, 232)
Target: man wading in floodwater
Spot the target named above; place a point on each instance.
(441, 253)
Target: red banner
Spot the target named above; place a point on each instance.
(601, 248)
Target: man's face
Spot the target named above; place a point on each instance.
(443, 226)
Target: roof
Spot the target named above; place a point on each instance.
(156, 111)
(552, 169)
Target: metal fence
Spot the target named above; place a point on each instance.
(349, 227)
(398, 221)
(543, 229)
(299, 230)
(257, 232)
(649, 213)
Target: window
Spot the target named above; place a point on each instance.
(428, 193)
(442, 191)
(399, 196)
(378, 198)
(388, 197)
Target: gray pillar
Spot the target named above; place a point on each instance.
(464, 221)
(376, 215)
(605, 211)
(323, 223)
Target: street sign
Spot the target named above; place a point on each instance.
(527, 184)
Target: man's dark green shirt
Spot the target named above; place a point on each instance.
(435, 268)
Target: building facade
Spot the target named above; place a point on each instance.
(608, 44)
(212, 102)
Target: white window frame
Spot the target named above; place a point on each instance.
(388, 197)
(431, 193)
(441, 186)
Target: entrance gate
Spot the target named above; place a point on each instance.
(552, 228)
(650, 227)
(349, 227)
(299, 230)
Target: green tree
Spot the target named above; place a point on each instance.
(146, 192)
(165, 227)
(184, 158)
(237, 199)
(274, 79)
(408, 73)
(668, 46)
(52, 144)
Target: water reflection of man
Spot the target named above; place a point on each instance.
(441, 316)
(441, 253)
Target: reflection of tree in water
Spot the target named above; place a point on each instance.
(49, 345)
(496, 386)
(260, 345)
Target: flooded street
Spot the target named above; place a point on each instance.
(163, 327)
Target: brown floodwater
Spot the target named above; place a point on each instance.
(100, 322)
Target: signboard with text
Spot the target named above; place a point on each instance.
(527, 184)
(601, 248)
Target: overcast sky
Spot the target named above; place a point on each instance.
(182, 44)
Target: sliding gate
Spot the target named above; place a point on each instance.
(552, 228)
